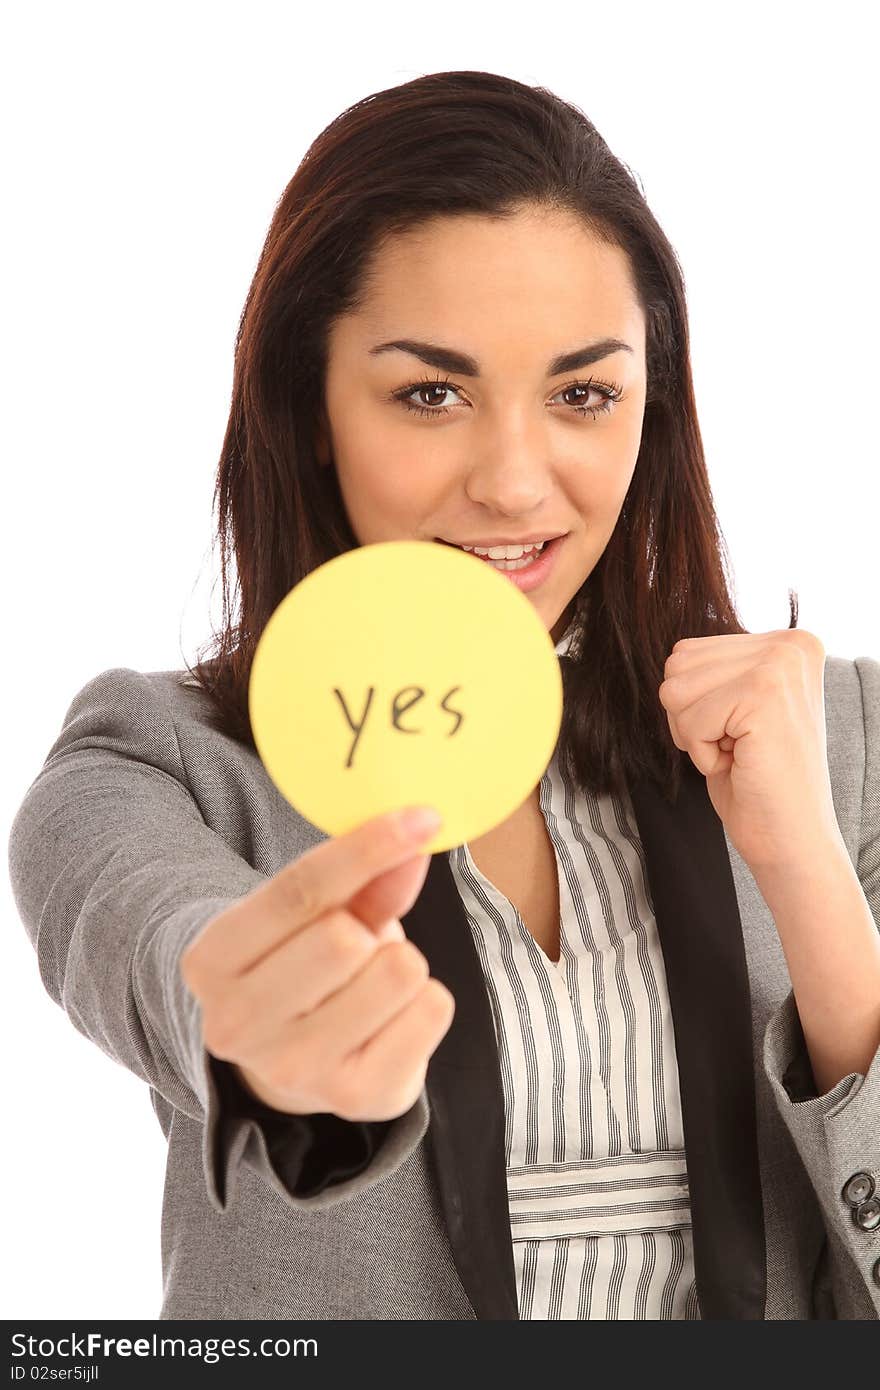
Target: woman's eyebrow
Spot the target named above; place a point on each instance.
(449, 360)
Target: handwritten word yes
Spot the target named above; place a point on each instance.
(399, 705)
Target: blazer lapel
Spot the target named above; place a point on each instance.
(694, 899)
(700, 930)
(466, 1131)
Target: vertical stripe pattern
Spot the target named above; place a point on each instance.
(596, 1170)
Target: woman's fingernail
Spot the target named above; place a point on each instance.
(416, 822)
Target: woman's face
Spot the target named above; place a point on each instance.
(500, 449)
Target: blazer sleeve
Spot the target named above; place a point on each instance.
(114, 871)
(838, 1134)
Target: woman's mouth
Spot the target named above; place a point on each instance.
(529, 570)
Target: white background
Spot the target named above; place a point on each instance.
(145, 150)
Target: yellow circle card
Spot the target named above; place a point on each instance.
(406, 673)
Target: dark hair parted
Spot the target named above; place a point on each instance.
(374, 172)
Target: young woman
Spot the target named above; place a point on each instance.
(617, 1058)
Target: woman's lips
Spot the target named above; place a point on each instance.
(532, 575)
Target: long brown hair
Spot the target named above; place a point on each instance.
(373, 172)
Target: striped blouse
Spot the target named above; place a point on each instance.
(596, 1172)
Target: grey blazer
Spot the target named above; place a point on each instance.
(144, 822)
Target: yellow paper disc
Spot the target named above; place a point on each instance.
(406, 673)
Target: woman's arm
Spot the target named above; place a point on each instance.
(115, 871)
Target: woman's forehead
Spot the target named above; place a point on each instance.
(472, 297)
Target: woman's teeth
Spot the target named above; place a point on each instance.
(507, 557)
(528, 559)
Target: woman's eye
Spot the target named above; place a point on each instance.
(429, 389)
(608, 394)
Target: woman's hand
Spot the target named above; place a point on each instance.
(750, 711)
(310, 988)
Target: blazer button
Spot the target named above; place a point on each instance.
(859, 1188)
(875, 1272)
(867, 1214)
